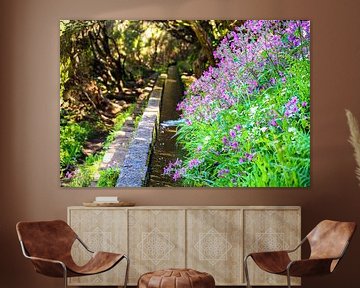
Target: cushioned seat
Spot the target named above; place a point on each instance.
(176, 278)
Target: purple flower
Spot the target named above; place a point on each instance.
(249, 156)
(167, 170)
(291, 107)
(179, 106)
(223, 172)
(294, 100)
(305, 29)
(273, 123)
(69, 174)
(234, 145)
(240, 60)
(177, 162)
(255, 25)
(171, 167)
(243, 59)
(177, 175)
(193, 163)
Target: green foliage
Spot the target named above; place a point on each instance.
(118, 124)
(279, 153)
(85, 172)
(108, 177)
(246, 120)
(64, 76)
(184, 66)
(186, 81)
(72, 138)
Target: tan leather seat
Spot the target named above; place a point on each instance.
(328, 242)
(48, 245)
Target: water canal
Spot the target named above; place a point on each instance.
(165, 147)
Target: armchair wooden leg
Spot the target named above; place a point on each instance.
(246, 270)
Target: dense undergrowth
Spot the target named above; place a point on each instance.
(247, 119)
(73, 137)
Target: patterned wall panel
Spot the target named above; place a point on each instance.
(269, 230)
(214, 241)
(156, 240)
(100, 230)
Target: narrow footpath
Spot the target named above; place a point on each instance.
(118, 149)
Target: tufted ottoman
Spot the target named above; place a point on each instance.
(176, 278)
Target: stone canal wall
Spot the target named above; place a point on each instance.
(133, 173)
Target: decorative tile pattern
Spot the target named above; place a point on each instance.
(270, 230)
(269, 241)
(213, 246)
(157, 241)
(214, 241)
(100, 230)
(99, 240)
(156, 246)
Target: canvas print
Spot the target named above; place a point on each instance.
(189, 103)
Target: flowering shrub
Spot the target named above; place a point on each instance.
(247, 120)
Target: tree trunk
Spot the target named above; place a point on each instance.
(204, 41)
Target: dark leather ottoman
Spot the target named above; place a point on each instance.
(176, 278)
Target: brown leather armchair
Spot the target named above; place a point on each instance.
(48, 245)
(328, 242)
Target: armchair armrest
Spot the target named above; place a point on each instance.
(280, 252)
(314, 266)
(83, 244)
(298, 246)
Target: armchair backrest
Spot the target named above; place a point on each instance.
(46, 239)
(329, 239)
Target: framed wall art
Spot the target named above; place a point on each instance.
(191, 103)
